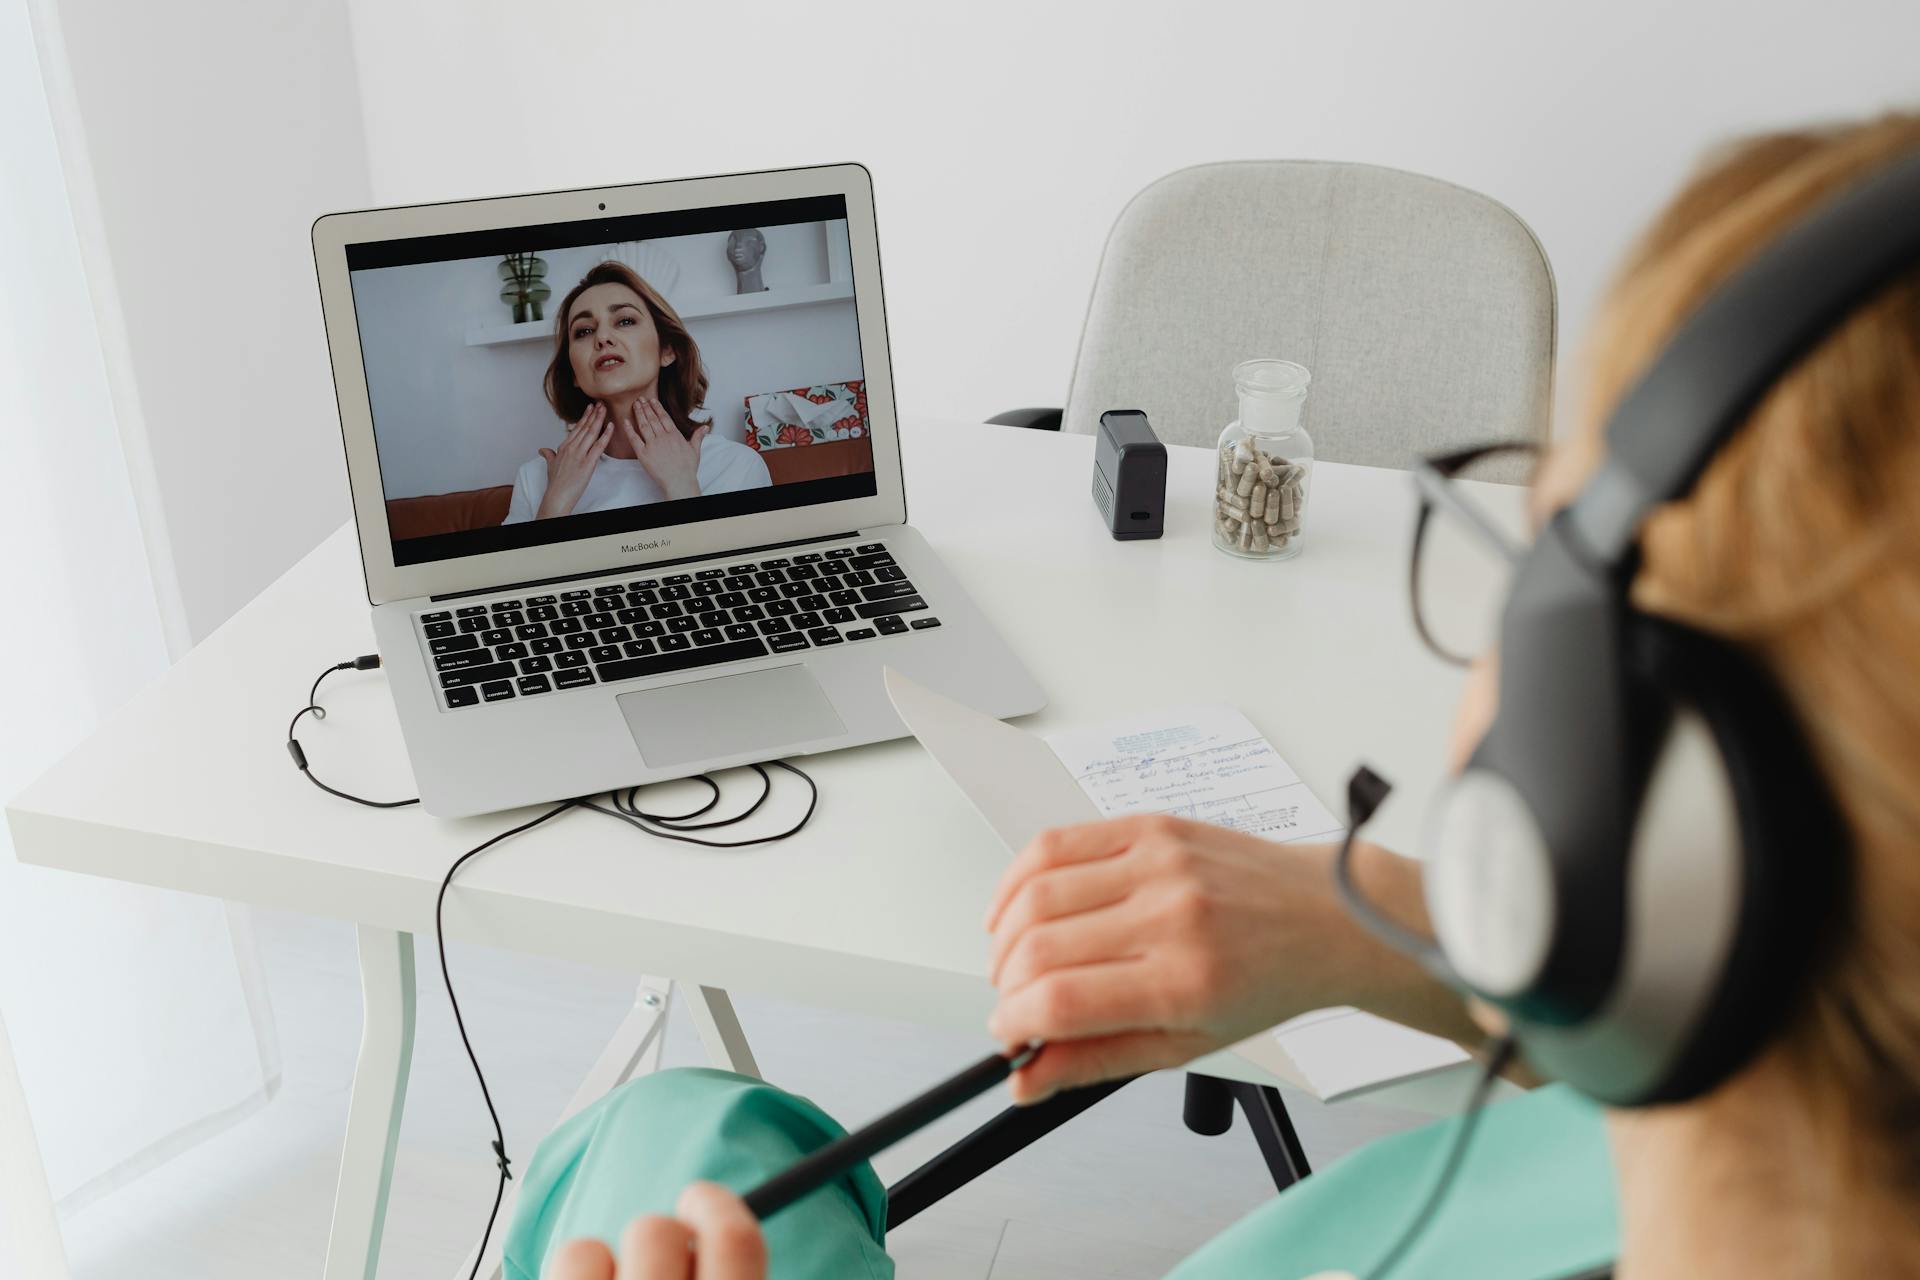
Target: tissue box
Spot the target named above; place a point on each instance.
(807, 415)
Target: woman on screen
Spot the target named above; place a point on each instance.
(626, 378)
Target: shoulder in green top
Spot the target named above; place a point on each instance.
(1533, 1201)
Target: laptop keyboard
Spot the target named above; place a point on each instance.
(531, 645)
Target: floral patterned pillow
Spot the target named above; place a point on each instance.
(807, 415)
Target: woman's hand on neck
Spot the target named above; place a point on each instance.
(622, 408)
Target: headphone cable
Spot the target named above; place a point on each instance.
(626, 809)
(1499, 1055)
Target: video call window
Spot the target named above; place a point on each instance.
(543, 384)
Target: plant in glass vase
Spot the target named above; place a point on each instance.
(525, 290)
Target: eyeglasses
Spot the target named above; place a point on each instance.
(1464, 549)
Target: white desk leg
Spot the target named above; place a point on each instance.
(373, 1112)
(30, 1242)
(657, 996)
(634, 1050)
(720, 1032)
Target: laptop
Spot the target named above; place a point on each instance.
(626, 476)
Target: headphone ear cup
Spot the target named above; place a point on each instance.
(1792, 847)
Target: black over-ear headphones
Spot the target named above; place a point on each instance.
(1639, 861)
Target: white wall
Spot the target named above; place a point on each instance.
(449, 416)
(1005, 135)
(200, 138)
(129, 1024)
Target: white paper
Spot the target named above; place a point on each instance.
(1007, 774)
(1205, 763)
(1341, 1052)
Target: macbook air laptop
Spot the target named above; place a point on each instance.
(626, 475)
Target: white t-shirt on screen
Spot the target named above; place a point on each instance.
(726, 466)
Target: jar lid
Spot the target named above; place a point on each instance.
(1271, 377)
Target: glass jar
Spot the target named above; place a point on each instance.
(1266, 460)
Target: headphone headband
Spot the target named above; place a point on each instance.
(1554, 857)
(1737, 345)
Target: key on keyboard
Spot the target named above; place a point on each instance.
(661, 663)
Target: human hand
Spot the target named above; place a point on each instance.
(714, 1237)
(1144, 942)
(571, 465)
(673, 460)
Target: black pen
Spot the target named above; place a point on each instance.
(834, 1159)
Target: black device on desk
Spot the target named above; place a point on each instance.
(1129, 475)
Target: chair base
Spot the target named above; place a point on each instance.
(1010, 1132)
(1208, 1110)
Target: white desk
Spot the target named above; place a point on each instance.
(874, 908)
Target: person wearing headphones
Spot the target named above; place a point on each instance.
(1678, 863)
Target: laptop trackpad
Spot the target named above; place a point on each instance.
(758, 713)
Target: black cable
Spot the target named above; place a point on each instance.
(682, 822)
(641, 821)
(1499, 1055)
(631, 805)
(626, 809)
(365, 662)
(671, 833)
(1366, 791)
(440, 943)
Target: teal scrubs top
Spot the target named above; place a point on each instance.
(1534, 1199)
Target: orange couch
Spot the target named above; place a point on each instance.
(447, 512)
(477, 508)
(819, 461)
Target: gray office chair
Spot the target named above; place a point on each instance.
(1425, 311)
(1426, 314)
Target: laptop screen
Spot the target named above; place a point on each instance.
(534, 385)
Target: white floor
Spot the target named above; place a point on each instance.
(1121, 1192)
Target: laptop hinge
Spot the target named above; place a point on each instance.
(649, 567)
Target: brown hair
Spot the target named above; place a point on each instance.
(683, 384)
(1801, 543)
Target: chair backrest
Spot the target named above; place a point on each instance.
(1424, 311)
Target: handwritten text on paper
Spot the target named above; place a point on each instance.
(1205, 763)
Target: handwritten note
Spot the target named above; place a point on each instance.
(1205, 763)
(1210, 763)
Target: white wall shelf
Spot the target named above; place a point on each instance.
(810, 295)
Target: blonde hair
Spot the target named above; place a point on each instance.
(1801, 543)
